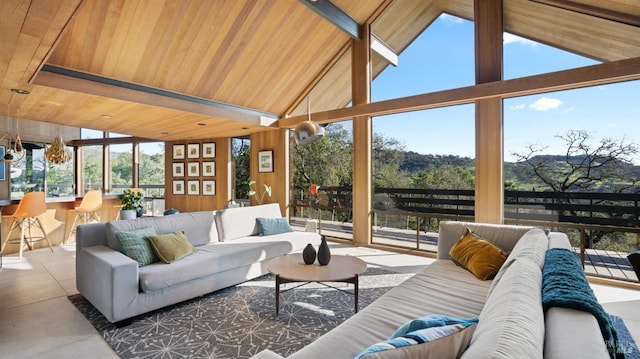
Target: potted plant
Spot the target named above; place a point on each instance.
(252, 192)
(132, 204)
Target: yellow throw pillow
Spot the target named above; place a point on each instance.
(478, 256)
(171, 247)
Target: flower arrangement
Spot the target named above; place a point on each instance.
(252, 192)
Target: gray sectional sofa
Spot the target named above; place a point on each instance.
(229, 252)
(512, 323)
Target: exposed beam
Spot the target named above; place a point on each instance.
(618, 16)
(77, 81)
(610, 72)
(336, 16)
(384, 50)
(110, 141)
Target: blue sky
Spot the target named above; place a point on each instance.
(442, 58)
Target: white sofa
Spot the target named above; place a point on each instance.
(229, 252)
(512, 323)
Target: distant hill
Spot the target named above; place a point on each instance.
(415, 162)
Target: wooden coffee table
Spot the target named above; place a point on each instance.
(290, 268)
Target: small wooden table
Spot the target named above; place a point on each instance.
(290, 268)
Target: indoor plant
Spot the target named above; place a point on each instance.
(132, 204)
(253, 192)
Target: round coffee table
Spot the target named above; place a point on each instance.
(290, 268)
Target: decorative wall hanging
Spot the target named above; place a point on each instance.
(209, 188)
(193, 169)
(178, 187)
(193, 187)
(209, 169)
(178, 169)
(265, 161)
(193, 150)
(178, 152)
(209, 150)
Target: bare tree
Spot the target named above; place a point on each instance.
(585, 166)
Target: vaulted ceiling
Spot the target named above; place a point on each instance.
(178, 69)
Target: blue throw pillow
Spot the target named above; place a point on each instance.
(449, 340)
(270, 226)
(134, 244)
(430, 321)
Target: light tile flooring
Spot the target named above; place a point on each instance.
(38, 321)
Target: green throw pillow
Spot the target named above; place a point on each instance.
(171, 247)
(134, 245)
(270, 226)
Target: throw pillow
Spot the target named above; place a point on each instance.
(435, 320)
(270, 226)
(134, 245)
(478, 256)
(171, 247)
(449, 341)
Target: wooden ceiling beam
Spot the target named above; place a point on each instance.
(610, 72)
(71, 80)
(618, 16)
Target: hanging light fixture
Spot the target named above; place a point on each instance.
(57, 152)
(18, 149)
(307, 131)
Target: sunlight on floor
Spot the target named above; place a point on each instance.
(15, 263)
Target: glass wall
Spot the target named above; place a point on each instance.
(91, 168)
(120, 167)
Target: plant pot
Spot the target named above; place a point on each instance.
(128, 214)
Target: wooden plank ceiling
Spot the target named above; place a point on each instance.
(259, 56)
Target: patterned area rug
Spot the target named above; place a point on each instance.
(240, 321)
(628, 344)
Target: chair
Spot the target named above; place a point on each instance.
(634, 259)
(87, 211)
(25, 217)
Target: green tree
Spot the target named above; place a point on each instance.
(240, 153)
(444, 177)
(388, 155)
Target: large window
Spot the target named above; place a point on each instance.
(120, 167)
(91, 168)
(32, 173)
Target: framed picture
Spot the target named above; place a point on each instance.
(178, 187)
(2, 168)
(209, 169)
(265, 161)
(193, 187)
(178, 169)
(209, 188)
(209, 150)
(193, 169)
(178, 152)
(193, 150)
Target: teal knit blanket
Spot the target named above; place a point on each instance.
(565, 285)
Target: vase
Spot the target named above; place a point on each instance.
(324, 254)
(309, 254)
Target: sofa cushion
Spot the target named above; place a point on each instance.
(171, 247)
(271, 226)
(478, 255)
(512, 322)
(448, 341)
(241, 221)
(532, 245)
(502, 235)
(135, 245)
(199, 227)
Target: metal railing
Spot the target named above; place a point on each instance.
(587, 218)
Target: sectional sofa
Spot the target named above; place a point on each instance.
(229, 250)
(512, 322)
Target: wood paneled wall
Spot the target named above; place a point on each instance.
(278, 142)
(198, 202)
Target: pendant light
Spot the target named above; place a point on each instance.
(307, 131)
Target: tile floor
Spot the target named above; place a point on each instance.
(37, 320)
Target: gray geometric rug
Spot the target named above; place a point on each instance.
(239, 321)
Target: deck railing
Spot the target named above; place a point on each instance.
(591, 220)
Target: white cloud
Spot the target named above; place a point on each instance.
(508, 38)
(545, 104)
(451, 19)
(517, 107)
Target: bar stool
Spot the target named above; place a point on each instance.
(87, 211)
(25, 217)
